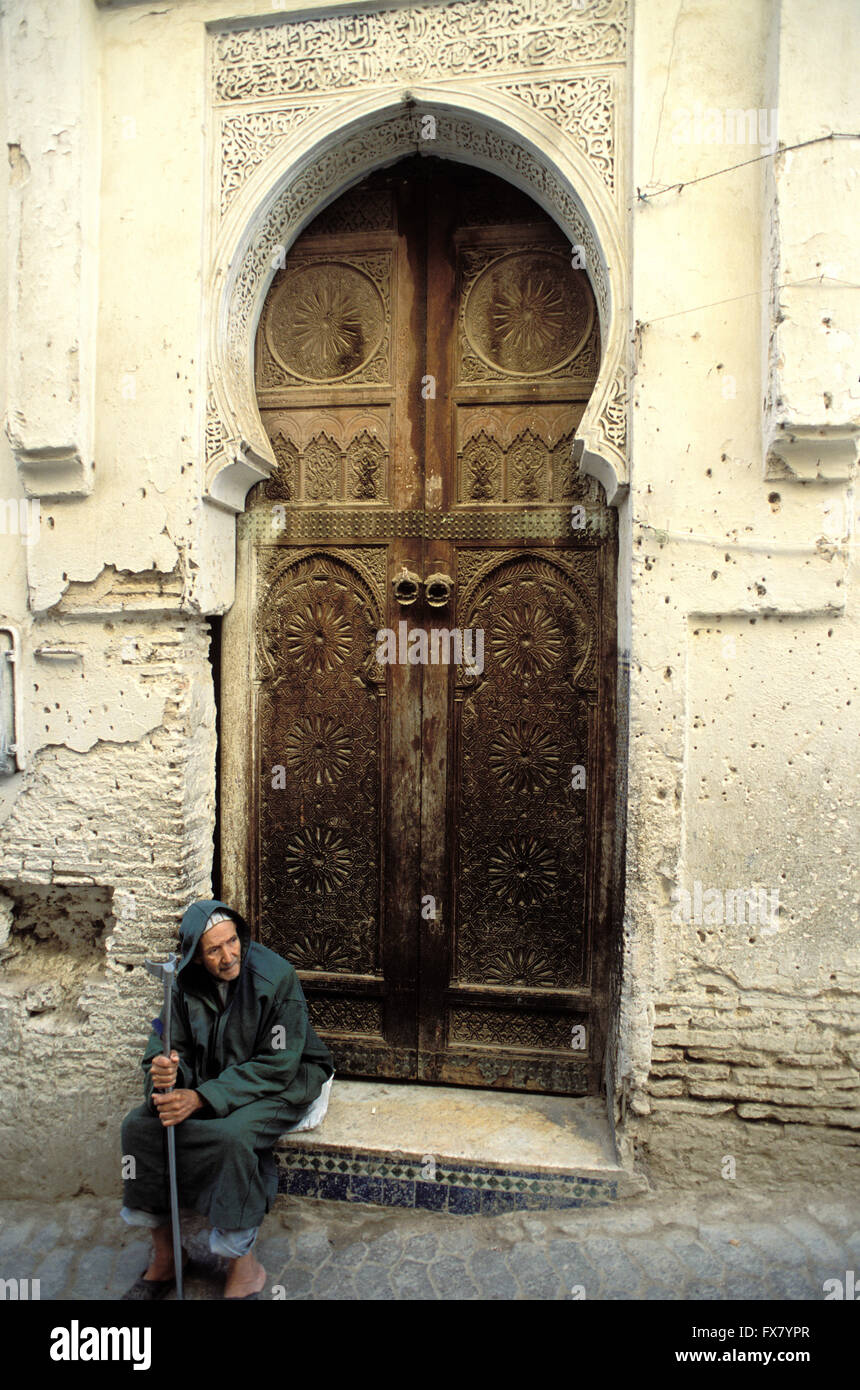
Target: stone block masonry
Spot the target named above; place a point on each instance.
(770, 1082)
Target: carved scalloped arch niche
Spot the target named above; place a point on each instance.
(302, 109)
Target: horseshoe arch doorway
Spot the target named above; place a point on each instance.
(429, 841)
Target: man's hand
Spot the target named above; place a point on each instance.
(164, 1070)
(175, 1106)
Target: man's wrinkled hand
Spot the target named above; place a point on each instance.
(164, 1070)
(175, 1106)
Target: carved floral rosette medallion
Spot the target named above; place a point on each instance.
(521, 877)
(525, 314)
(319, 717)
(326, 322)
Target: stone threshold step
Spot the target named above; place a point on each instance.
(446, 1148)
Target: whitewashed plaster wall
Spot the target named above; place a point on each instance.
(739, 767)
(107, 832)
(744, 662)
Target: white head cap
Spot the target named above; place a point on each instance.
(217, 916)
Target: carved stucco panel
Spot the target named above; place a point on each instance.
(248, 138)
(341, 52)
(613, 419)
(583, 107)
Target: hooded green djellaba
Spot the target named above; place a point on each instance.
(257, 1063)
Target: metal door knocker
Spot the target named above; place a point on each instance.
(438, 588)
(406, 586)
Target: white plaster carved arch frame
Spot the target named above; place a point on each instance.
(336, 146)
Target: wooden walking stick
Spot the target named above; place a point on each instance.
(165, 971)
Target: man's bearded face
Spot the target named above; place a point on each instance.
(220, 950)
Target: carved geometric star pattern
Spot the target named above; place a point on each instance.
(316, 951)
(318, 637)
(528, 317)
(521, 965)
(525, 758)
(328, 327)
(528, 641)
(522, 871)
(318, 750)
(317, 860)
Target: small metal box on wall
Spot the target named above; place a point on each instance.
(11, 756)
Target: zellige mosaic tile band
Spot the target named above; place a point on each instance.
(459, 1189)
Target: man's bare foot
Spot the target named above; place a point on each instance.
(161, 1266)
(246, 1275)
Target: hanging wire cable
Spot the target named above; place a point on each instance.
(646, 196)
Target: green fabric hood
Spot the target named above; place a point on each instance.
(196, 978)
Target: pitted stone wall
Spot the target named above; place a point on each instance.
(739, 1039)
(100, 856)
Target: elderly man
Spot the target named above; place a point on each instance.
(247, 1065)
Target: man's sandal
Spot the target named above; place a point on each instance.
(147, 1290)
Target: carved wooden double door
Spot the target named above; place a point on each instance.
(419, 670)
